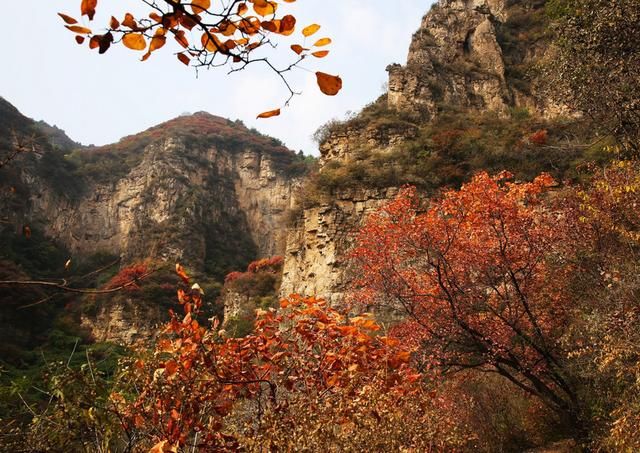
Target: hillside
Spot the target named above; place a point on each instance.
(469, 98)
(458, 271)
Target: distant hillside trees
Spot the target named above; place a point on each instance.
(597, 66)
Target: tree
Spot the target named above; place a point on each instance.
(480, 276)
(209, 34)
(596, 66)
(605, 330)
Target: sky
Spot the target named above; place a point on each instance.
(98, 99)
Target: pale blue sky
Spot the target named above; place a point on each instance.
(101, 98)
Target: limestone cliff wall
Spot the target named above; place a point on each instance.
(462, 56)
(176, 204)
(316, 254)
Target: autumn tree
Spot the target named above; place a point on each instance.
(604, 334)
(480, 277)
(210, 34)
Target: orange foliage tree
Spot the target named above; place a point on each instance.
(305, 356)
(209, 34)
(480, 275)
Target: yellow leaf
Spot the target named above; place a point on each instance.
(310, 30)
(322, 42)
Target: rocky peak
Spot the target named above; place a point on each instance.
(463, 57)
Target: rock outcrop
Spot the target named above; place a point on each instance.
(316, 261)
(469, 54)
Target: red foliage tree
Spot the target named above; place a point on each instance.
(128, 276)
(480, 276)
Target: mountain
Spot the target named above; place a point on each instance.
(199, 189)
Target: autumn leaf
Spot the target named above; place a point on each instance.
(200, 6)
(269, 114)
(322, 42)
(79, 29)
(68, 19)
(329, 84)
(88, 8)
(310, 30)
(287, 25)
(264, 7)
(184, 59)
(297, 48)
(320, 53)
(134, 41)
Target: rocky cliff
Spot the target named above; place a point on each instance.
(473, 54)
(467, 99)
(315, 260)
(199, 189)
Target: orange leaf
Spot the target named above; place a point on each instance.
(68, 19)
(310, 30)
(212, 45)
(181, 39)
(170, 367)
(157, 42)
(320, 53)
(242, 9)
(88, 7)
(79, 29)
(297, 48)
(287, 25)
(329, 84)
(264, 7)
(134, 41)
(269, 114)
(322, 42)
(200, 6)
(129, 21)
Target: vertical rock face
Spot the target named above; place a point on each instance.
(455, 59)
(463, 56)
(315, 259)
(183, 200)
